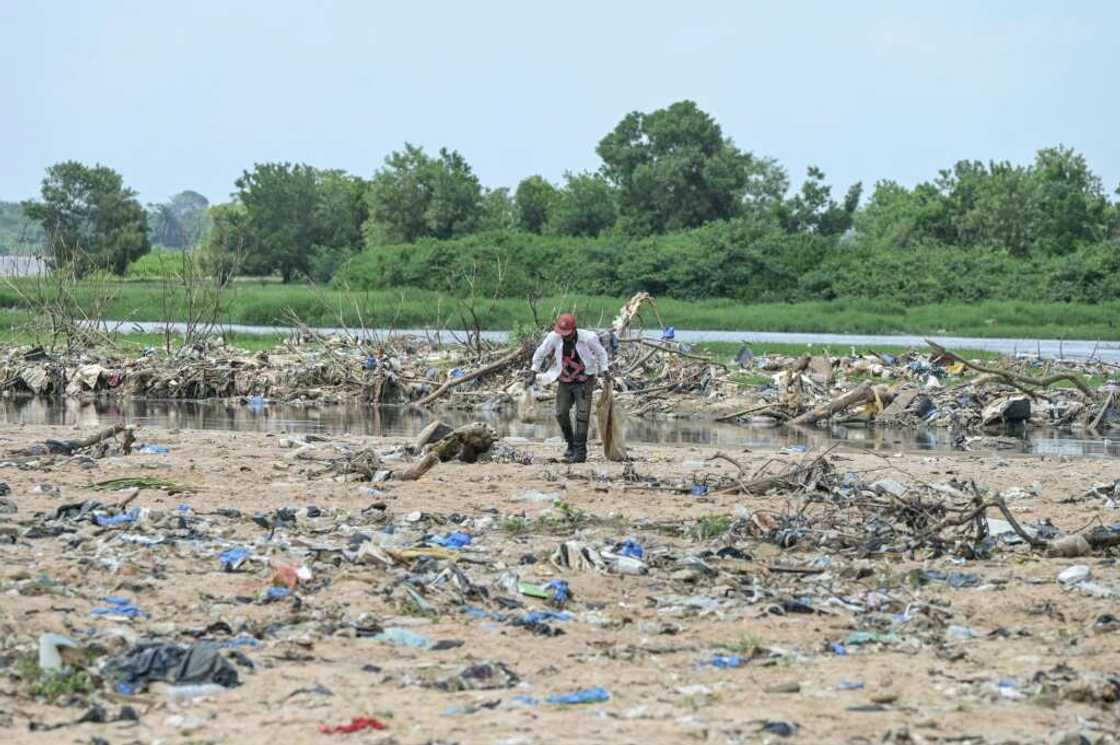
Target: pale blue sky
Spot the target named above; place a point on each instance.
(188, 94)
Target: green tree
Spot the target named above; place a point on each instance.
(91, 220)
(497, 210)
(1068, 205)
(415, 196)
(674, 169)
(180, 222)
(534, 201)
(813, 210)
(587, 205)
(280, 201)
(228, 241)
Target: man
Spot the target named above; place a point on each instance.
(577, 357)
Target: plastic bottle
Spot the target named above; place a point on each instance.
(182, 694)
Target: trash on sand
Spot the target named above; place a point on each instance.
(232, 559)
(119, 607)
(725, 662)
(154, 449)
(457, 539)
(49, 645)
(357, 724)
(176, 664)
(585, 696)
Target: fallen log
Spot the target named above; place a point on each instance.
(486, 370)
(860, 394)
(1025, 383)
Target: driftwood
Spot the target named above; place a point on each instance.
(628, 311)
(486, 370)
(1024, 383)
(860, 394)
(660, 348)
(743, 412)
(419, 468)
(69, 447)
(1104, 410)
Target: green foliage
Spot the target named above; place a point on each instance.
(586, 206)
(497, 211)
(156, 265)
(415, 196)
(90, 219)
(533, 203)
(712, 526)
(674, 169)
(228, 240)
(53, 685)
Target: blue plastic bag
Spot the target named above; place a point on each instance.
(233, 558)
(458, 539)
(726, 662)
(154, 449)
(561, 593)
(632, 548)
(668, 333)
(125, 518)
(586, 696)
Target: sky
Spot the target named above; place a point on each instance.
(187, 95)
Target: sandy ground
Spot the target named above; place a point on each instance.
(627, 635)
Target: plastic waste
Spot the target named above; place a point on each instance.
(49, 656)
(457, 373)
(154, 449)
(560, 592)
(232, 559)
(151, 661)
(699, 490)
(585, 696)
(125, 518)
(184, 693)
(782, 729)
(277, 593)
(631, 548)
(744, 357)
(849, 685)
(1075, 574)
(458, 539)
(726, 662)
(837, 648)
(119, 607)
(357, 724)
(400, 637)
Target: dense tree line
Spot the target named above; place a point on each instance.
(675, 208)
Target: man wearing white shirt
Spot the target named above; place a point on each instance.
(577, 357)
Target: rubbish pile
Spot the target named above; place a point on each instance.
(650, 377)
(662, 589)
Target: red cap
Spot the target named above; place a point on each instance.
(565, 324)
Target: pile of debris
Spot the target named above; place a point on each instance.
(651, 377)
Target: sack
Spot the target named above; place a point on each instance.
(526, 403)
(611, 424)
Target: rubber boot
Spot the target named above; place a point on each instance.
(566, 429)
(580, 450)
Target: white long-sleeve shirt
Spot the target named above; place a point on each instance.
(588, 346)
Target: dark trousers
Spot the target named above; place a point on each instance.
(578, 396)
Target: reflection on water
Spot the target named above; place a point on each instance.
(394, 420)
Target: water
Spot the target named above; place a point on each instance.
(356, 419)
(1071, 349)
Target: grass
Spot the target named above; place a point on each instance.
(712, 526)
(53, 686)
(267, 303)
